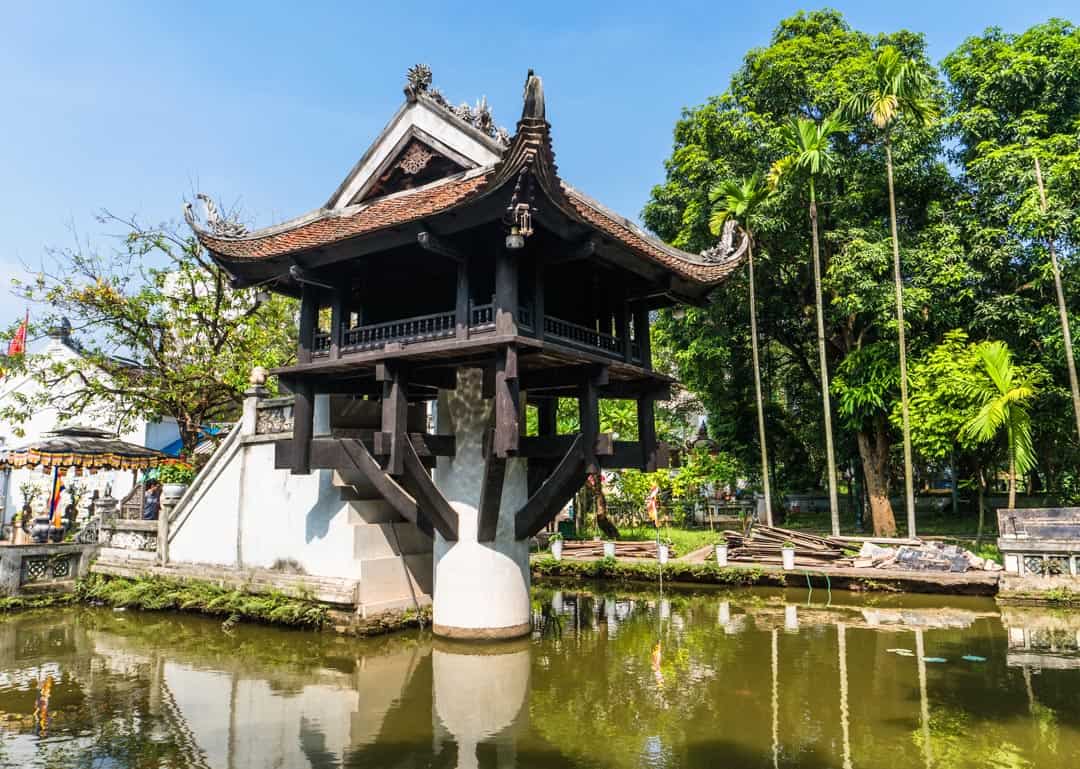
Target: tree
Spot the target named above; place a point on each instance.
(739, 202)
(809, 154)
(900, 86)
(1003, 391)
(172, 340)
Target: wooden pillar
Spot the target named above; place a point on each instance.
(538, 298)
(395, 412)
(461, 311)
(589, 417)
(547, 416)
(622, 324)
(646, 419)
(641, 334)
(506, 292)
(507, 400)
(303, 426)
(339, 311)
(309, 316)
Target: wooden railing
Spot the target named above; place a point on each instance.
(582, 336)
(481, 318)
(418, 329)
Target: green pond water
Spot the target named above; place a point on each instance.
(608, 680)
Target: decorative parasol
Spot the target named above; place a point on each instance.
(84, 448)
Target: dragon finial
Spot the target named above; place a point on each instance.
(726, 250)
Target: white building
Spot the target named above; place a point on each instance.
(60, 347)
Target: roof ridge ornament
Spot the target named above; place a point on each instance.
(216, 224)
(533, 98)
(418, 80)
(726, 250)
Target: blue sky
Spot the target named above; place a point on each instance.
(133, 106)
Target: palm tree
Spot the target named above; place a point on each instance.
(900, 86)
(809, 152)
(1002, 391)
(738, 202)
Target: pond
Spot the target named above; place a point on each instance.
(609, 679)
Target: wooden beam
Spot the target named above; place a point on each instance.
(584, 250)
(553, 493)
(309, 316)
(490, 496)
(566, 376)
(506, 292)
(395, 407)
(641, 334)
(646, 418)
(555, 446)
(431, 242)
(547, 416)
(538, 298)
(338, 309)
(443, 517)
(402, 502)
(303, 427)
(589, 420)
(507, 402)
(461, 307)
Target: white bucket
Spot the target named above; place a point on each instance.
(721, 555)
(662, 554)
(788, 554)
(556, 550)
(609, 549)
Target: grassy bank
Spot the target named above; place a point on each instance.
(160, 594)
(649, 571)
(24, 603)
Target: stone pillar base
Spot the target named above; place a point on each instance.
(482, 633)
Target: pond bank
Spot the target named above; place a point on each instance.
(861, 580)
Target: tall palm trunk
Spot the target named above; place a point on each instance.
(1062, 311)
(1012, 470)
(834, 507)
(757, 385)
(909, 481)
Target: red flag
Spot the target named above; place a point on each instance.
(17, 345)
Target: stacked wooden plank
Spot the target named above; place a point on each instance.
(586, 549)
(764, 544)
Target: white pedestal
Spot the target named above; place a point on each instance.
(481, 588)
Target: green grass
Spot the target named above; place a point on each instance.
(649, 571)
(928, 524)
(684, 540)
(159, 594)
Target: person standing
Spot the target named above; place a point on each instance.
(152, 500)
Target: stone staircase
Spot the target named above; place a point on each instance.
(395, 557)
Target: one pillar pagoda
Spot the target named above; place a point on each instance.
(454, 266)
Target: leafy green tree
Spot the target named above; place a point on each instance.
(900, 86)
(1003, 391)
(1013, 114)
(739, 202)
(808, 144)
(161, 331)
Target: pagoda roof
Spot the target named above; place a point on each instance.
(526, 164)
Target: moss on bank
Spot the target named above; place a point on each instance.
(23, 603)
(1053, 596)
(649, 571)
(161, 594)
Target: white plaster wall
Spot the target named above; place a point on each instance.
(478, 585)
(295, 516)
(206, 532)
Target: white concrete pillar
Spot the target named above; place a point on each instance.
(481, 588)
(477, 696)
(321, 418)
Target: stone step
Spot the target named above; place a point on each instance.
(383, 540)
(395, 578)
(354, 486)
(364, 511)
